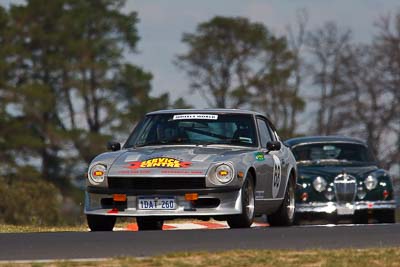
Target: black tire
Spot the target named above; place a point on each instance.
(100, 222)
(298, 219)
(331, 218)
(149, 223)
(284, 216)
(385, 216)
(246, 218)
(360, 217)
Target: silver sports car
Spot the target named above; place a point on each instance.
(209, 163)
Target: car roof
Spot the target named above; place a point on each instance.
(323, 139)
(216, 110)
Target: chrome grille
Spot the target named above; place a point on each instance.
(345, 188)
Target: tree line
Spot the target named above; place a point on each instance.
(317, 81)
(66, 88)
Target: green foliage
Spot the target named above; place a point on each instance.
(180, 104)
(71, 86)
(65, 89)
(30, 200)
(236, 63)
(220, 50)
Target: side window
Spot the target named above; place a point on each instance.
(265, 136)
(272, 132)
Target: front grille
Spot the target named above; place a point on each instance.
(345, 188)
(150, 183)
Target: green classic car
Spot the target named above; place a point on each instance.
(339, 177)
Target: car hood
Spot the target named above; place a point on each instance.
(330, 172)
(170, 161)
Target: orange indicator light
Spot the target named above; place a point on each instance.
(304, 196)
(191, 196)
(223, 173)
(119, 197)
(98, 173)
(240, 174)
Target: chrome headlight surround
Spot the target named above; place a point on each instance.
(370, 182)
(224, 173)
(319, 184)
(97, 174)
(221, 173)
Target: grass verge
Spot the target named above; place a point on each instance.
(7, 228)
(342, 257)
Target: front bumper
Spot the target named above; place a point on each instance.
(229, 203)
(344, 209)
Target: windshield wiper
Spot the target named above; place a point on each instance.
(240, 141)
(149, 143)
(203, 143)
(164, 142)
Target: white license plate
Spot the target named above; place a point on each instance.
(344, 210)
(156, 203)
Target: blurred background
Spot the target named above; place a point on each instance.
(77, 73)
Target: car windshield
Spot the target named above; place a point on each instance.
(332, 153)
(195, 129)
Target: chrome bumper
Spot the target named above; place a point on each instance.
(331, 207)
(230, 203)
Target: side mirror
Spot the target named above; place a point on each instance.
(274, 146)
(113, 146)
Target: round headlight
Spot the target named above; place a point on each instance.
(370, 182)
(224, 173)
(329, 193)
(361, 193)
(319, 184)
(97, 174)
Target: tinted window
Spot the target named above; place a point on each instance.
(264, 132)
(332, 151)
(164, 129)
(272, 132)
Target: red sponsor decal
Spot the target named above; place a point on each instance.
(158, 163)
(113, 211)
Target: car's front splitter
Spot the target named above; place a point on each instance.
(230, 203)
(345, 208)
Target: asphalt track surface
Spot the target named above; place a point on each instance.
(85, 245)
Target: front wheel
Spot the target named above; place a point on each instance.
(284, 216)
(385, 216)
(100, 222)
(360, 217)
(149, 223)
(245, 219)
